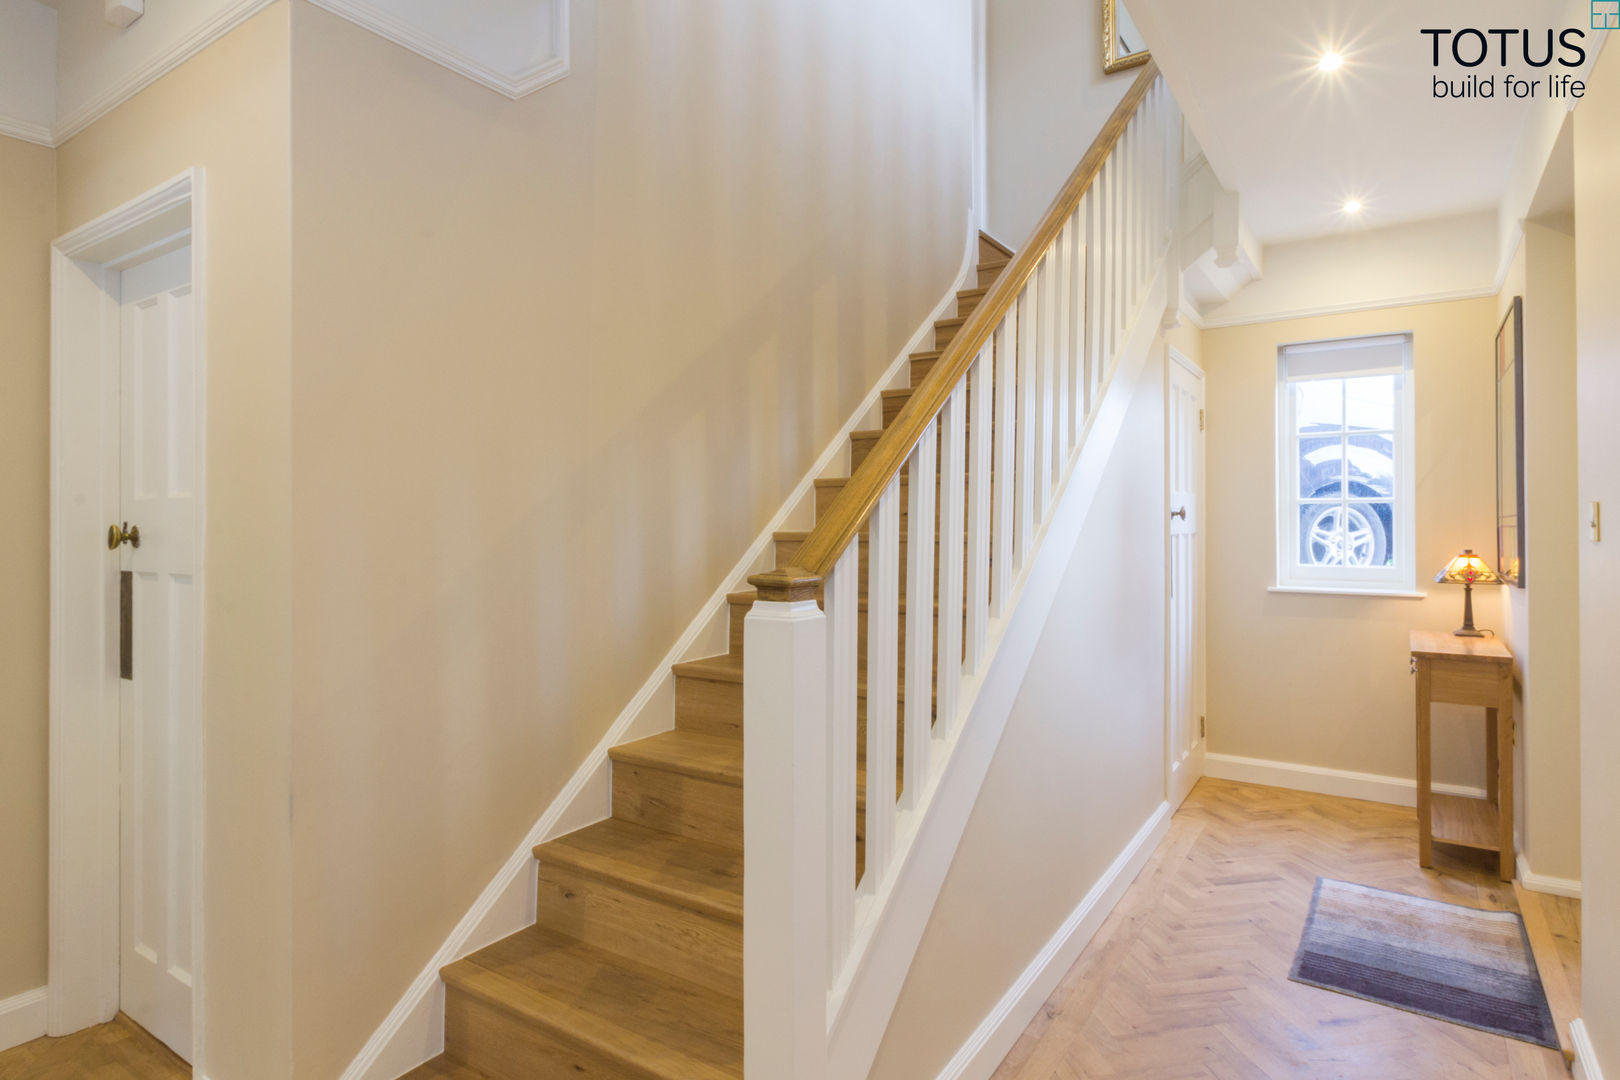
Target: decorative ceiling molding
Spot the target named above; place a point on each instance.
(517, 49)
(228, 18)
(514, 49)
(22, 129)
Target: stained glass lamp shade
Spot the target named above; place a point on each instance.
(1468, 570)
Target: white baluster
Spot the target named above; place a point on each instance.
(843, 639)
(1043, 386)
(920, 541)
(1024, 471)
(1004, 481)
(1094, 293)
(1074, 400)
(980, 400)
(785, 817)
(1110, 262)
(952, 491)
(1063, 251)
(882, 665)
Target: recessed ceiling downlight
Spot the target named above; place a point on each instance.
(1352, 207)
(1331, 61)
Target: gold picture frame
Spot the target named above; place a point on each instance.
(1118, 31)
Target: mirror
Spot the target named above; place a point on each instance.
(1510, 445)
(1123, 47)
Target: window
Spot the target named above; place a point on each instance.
(1344, 465)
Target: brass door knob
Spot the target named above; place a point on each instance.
(1182, 513)
(130, 534)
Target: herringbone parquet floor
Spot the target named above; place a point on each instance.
(1188, 978)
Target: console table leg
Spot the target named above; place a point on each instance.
(1425, 823)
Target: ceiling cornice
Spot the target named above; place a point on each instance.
(399, 28)
(413, 34)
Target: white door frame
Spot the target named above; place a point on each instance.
(84, 706)
(1177, 787)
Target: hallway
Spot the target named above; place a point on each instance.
(1189, 975)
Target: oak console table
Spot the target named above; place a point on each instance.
(1466, 671)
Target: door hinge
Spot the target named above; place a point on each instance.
(1200, 419)
(1200, 727)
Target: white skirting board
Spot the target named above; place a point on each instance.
(413, 1031)
(1323, 781)
(1586, 1062)
(1546, 883)
(994, 1037)
(22, 1018)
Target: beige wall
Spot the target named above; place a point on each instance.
(1541, 621)
(226, 110)
(1046, 100)
(1078, 770)
(1597, 268)
(1322, 680)
(558, 361)
(28, 213)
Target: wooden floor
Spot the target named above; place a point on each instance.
(120, 1050)
(1189, 975)
(1188, 978)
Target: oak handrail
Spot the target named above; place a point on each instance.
(837, 529)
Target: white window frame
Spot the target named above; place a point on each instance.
(1399, 579)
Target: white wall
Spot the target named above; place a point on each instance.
(1597, 375)
(1047, 99)
(1079, 769)
(1540, 622)
(1443, 258)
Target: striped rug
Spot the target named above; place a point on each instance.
(1442, 960)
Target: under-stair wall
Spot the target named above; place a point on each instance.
(1078, 773)
(557, 362)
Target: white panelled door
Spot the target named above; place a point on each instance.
(1185, 459)
(159, 700)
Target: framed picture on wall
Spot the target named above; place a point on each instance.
(1510, 445)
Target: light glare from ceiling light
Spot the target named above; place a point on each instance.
(1331, 61)
(1352, 207)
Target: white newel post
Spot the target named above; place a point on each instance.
(785, 822)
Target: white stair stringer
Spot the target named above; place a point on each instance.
(890, 925)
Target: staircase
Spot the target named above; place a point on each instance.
(634, 967)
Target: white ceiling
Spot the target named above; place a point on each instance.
(1296, 143)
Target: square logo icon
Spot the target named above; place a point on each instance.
(1606, 14)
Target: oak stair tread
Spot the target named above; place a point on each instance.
(725, 667)
(729, 668)
(654, 1024)
(674, 869)
(688, 753)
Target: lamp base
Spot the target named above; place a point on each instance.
(1467, 631)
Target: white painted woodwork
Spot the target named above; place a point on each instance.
(1064, 286)
(1014, 473)
(102, 419)
(159, 706)
(924, 480)
(842, 643)
(786, 820)
(1003, 543)
(952, 492)
(1184, 455)
(980, 376)
(1024, 470)
(882, 662)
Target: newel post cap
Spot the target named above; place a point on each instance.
(787, 584)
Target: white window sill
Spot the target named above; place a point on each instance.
(1345, 590)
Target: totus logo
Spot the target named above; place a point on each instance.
(1471, 48)
(1606, 14)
